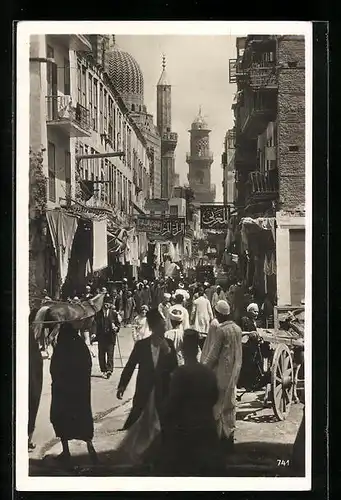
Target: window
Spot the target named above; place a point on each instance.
(292, 64)
(110, 183)
(114, 187)
(110, 119)
(52, 80)
(90, 100)
(51, 153)
(129, 196)
(105, 112)
(173, 210)
(83, 102)
(67, 174)
(103, 188)
(200, 177)
(95, 121)
(129, 148)
(49, 52)
(114, 128)
(101, 108)
(79, 83)
(85, 163)
(124, 159)
(294, 148)
(66, 76)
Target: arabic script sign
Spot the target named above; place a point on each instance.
(164, 227)
(214, 216)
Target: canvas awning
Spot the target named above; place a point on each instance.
(62, 228)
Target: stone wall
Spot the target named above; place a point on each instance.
(291, 121)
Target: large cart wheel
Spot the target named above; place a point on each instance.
(282, 378)
(298, 394)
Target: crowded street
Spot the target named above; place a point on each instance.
(260, 440)
(167, 294)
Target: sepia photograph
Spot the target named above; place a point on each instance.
(164, 276)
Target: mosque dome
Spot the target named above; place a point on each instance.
(126, 76)
(199, 122)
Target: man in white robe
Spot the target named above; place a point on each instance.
(223, 354)
(202, 315)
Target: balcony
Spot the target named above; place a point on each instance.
(73, 120)
(262, 186)
(170, 137)
(263, 76)
(78, 43)
(236, 72)
(258, 110)
(205, 156)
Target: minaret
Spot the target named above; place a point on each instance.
(169, 139)
(200, 160)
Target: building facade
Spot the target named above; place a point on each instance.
(270, 148)
(200, 160)
(127, 78)
(229, 181)
(76, 112)
(169, 139)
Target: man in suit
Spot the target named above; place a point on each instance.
(108, 325)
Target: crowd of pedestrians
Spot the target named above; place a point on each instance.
(188, 352)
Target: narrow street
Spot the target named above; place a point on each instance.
(261, 441)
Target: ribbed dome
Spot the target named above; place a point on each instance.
(126, 76)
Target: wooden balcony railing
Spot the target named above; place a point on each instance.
(61, 109)
(262, 183)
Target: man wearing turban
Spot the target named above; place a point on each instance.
(163, 309)
(224, 356)
(175, 334)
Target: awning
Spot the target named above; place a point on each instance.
(62, 229)
(100, 245)
(261, 223)
(117, 241)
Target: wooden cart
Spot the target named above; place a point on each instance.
(277, 364)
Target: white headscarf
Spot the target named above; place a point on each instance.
(252, 307)
(176, 314)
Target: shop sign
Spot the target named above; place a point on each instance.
(214, 216)
(162, 226)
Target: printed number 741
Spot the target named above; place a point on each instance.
(283, 463)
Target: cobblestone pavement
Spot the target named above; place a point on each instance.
(261, 441)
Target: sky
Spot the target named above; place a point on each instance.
(198, 70)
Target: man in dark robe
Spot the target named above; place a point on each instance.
(145, 294)
(190, 444)
(149, 376)
(138, 297)
(250, 371)
(35, 381)
(116, 300)
(71, 414)
(108, 325)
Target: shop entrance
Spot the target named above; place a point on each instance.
(297, 265)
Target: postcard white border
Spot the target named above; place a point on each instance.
(26, 28)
